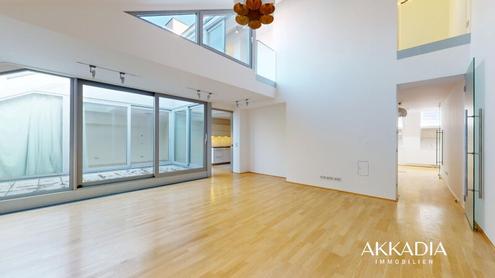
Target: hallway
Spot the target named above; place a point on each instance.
(426, 209)
(242, 225)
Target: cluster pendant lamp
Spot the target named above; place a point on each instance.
(254, 13)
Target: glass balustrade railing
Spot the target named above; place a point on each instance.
(266, 61)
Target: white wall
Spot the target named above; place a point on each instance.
(452, 122)
(241, 147)
(416, 145)
(444, 63)
(339, 84)
(483, 44)
(267, 140)
(338, 80)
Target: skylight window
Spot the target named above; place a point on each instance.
(218, 31)
(221, 33)
(183, 25)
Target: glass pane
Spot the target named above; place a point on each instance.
(182, 132)
(183, 25)
(471, 171)
(197, 136)
(35, 133)
(215, 37)
(105, 135)
(117, 134)
(164, 136)
(265, 61)
(479, 120)
(222, 33)
(142, 126)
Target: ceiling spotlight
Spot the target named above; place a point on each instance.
(237, 103)
(247, 102)
(199, 93)
(92, 70)
(122, 77)
(209, 96)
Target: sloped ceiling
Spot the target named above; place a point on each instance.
(99, 32)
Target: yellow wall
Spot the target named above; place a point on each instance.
(426, 21)
(460, 17)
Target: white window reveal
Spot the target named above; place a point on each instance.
(430, 118)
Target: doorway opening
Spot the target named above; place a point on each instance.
(221, 141)
(437, 131)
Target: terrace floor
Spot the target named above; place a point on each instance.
(11, 189)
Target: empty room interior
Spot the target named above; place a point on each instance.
(247, 138)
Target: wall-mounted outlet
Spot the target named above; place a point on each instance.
(363, 168)
(330, 178)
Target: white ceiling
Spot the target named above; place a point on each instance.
(140, 4)
(122, 3)
(221, 114)
(427, 94)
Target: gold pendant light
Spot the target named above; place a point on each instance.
(254, 13)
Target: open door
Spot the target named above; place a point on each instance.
(473, 187)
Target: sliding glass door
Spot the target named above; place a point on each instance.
(198, 136)
(182, 135)
(118, 132)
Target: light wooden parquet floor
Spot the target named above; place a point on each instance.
(245, 225)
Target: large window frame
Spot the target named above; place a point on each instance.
(252, 38)
(200, 14)
(221, 25)
(139, 15)
(72, 185)
(76, 190)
